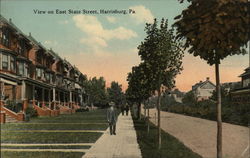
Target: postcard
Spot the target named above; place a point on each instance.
(124, 79)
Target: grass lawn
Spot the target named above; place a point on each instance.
(171, 147)
(27, 126)
(47, 147)
(6, 154)
(93, 120)
(45, 137)
(98, 116)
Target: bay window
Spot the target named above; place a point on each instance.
(5, 37)
(5, 62)
(21, 68)
(39, 73)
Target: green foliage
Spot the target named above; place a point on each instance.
(225, 95)
(95, 88)
(93, 120)
(189, 98)
(231, 112)
(161, 55)
(138, 84)
(214, 29)
(115, 93)
(37, 154)
(171, 147)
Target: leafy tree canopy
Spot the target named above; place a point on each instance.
(95, 88)
(214, 29)
(161, 54)
(115, 93)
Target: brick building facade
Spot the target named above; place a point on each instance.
(33, 76)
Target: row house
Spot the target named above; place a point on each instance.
(33, 76)
(242, 94)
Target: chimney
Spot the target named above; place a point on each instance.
(10, 20)
(207, 78)
(30, 34)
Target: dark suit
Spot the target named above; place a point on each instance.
(112, 118)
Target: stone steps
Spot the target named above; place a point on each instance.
(10, 119)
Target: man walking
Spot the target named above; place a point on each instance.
(127, 109)
(112, 118)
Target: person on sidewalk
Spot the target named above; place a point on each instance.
(122, 109)
(127, 109)
(112, 118)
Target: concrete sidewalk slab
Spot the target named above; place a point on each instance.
(122, 145)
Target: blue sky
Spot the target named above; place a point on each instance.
(105, 45)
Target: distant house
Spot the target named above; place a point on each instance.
(242, 95)
(203, 90)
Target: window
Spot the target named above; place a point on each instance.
(21, 68)
(5, 37)
(59, 80)
(20, 47)
(5, 62)
(39, 73)
(47, 77)
(12, 64)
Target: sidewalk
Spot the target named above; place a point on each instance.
(122, 145)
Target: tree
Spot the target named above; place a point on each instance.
(115, 93)
(162, 56)
(189, 98)
(213, 30)
(96, 90)
(138, 86)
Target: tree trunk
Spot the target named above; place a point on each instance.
(148, 121)
(159, 118)
(139, 111)
(219, 121)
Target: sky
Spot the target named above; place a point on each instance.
(106, 44)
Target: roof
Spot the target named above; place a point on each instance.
(200, 84)
(247, 72)
(54, 54)
(35, 42)
(13, 26)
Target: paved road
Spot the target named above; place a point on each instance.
(200, 135)
(122, 145)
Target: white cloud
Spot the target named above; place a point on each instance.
(93, 28)
(97, 36)
(142, 15)
(111, 19)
